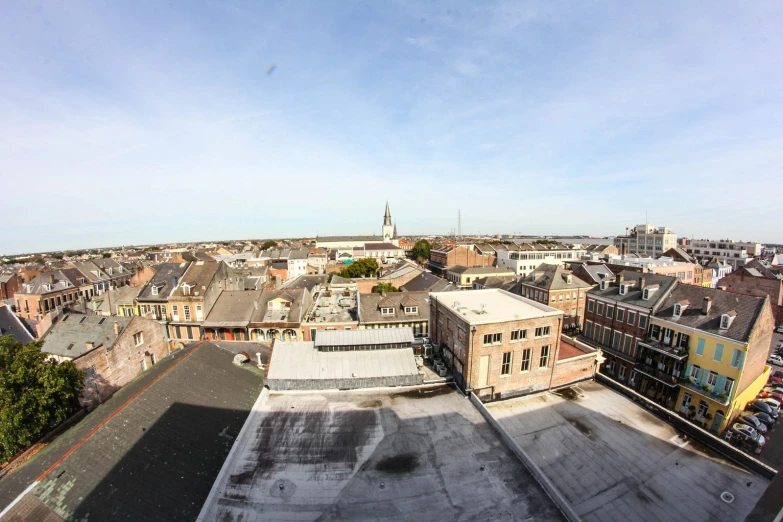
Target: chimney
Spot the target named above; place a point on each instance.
(89, 345)
(642, 283)
(706, 305)
(116, 328)
(51, 278)
(618, 279)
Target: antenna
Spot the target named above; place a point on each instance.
(459, 222)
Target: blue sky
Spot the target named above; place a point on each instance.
(139, 122)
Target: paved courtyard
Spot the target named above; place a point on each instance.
(613, 460)
(419, 454)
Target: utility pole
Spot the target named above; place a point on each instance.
(459, 222)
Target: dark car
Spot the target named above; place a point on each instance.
(766, 419)
(745, 437)
(751, 420)
(760, 405)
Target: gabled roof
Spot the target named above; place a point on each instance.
(198, 277)
(426, 282)
(165, 279)
(369, 306)
(634, 294)
(233, 309)
(68, 337)
(596, 273)
(10, 324)
(57, 280)
(553, 277)
(746, 308)
(92, 272)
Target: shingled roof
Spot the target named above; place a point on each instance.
(747, 308)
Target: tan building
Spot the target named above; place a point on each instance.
(499, 344)
(192, 299)
(558, 288)
(48, 292)
(445, 257)
(646, 240)
(464, 276)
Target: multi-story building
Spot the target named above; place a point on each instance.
(47, 292)
(618, 316)
(463, 276)
(280, 314)
(558, 288)
(646, 240)
(9, 285)
(758, 279)
(499, 344)
(684, 272)
(154, 294)
(445, 257)
(715, 344)
(317, 258)
(332, 309)
(394, 310)
(591, 273)
(525, 257)
(192, 299)
(735, 253)
(715, 270)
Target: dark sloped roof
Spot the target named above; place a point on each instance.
(553, 277)
(747, 309)
(198, 276)
(370, 307)
(68, 337)
(233, 308)
(634, 294)
(425, 281)
(166, 278)
(11, 325)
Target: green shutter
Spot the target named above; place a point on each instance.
(718, 352)
(700, 347)
(742, 360)
(688, 370)
(703, 374)
(720, 382)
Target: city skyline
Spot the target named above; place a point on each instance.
(147, 123)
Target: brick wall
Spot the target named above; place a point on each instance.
(109, 370)
(10, 287)
(462, 256)
(758, 347)
(623, 327)
(757, 286)
(573, 370)
(320, 327)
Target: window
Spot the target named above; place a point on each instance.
(186, 310)
(561, 298)
(543, 331)
(138, 339)
(642, 322)
(712, 378)
(526, 354)
(411, 309)
(505, 366)
(387, 311)
(700, 347)
(695, 372)
(621, 374)
(620, 315)
(543, 361)
(737, 359)
(607, 336)
(154, 290)
(185, 289)
(655, 331)
(175, 312)
(590, 304)
(600, 309)
(199, 313)
(627, 344)
(554, 298)
(177, 332)
(588, 329)
(609, 311)
(616, 340)
(718, 352)
(518, 335)
(728, 386)
(493, 338)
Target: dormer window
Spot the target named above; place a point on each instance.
(726, 319)
(679, 308)
(387, 311)
(186, 289)
(110, 270)
(646, 294)
(604, 284)
(411, 309)
(154, 290)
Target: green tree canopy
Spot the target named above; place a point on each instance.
(268, 244)
(384, 287)
(360, 268)
(421, 251)
(36, 394)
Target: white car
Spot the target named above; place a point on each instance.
(772, 403)
(775, 359)
(779, 329)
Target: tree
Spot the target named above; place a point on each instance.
(39, 260)
(106, 255)
(384, 287)
(360, 268)
(421, 251)
(36, 394)
(268, 244)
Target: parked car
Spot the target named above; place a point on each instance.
(779, 329)
(773, 403)
(745, 437)
(778, 373)
(760, 405)
(771, 394)
(776, 380)
(751, 420)
(766, 419)
(775, 359)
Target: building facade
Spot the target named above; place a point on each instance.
(646, 240)
(394, 310)
(735, 253)
(463, 276)
(560, 289)
(759, 280)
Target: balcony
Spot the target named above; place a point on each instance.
(676, 352)
(659, 375)
(720, 398)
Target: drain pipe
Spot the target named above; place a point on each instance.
(468, 387)
(557, 351)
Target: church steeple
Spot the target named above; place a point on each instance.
(395, 229)
(387, 216)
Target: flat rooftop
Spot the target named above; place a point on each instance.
(493, 305)
(613, 460)
(333, 308)
(420, 454)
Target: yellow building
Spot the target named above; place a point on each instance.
(465, 276)
(727, 337)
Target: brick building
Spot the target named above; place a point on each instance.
(9, 285)
(499, 344)
(445, 257)
(617, 317)
(757, 279)
(154, 294)
(192, 299)
(558, 288)
(47, 292)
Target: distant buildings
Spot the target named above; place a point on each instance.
(463, 276)
(388, 235)
(757, 279)
(394, 310)
(446, 257)
(735, 253)
(647, 240)
(524, 257)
